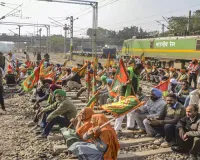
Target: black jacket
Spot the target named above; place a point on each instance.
(191, 126)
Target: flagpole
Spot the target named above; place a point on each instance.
(107, 123)
(116, 118)
(39, 73)
(88, 79)
(142, 103)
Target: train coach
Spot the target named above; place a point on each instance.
(167, 51)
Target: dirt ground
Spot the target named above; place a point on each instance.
(17, 141)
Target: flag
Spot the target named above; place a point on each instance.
(124, 106)
(120, 79)
(88, 78)
(50, 75)
(28, 64)
(108, 61)
(10, 68)
(94, 88)
(65, 63)
(82, 71)
(142, 57)
(92, 101)
(17, 69)
(42, 68)
(163, 86)
(47, 70)
(30, 81)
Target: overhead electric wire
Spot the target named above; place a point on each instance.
(9, 3)
(104, 5)
(88, 8)
(154, 15)
(56, 21)
(11, 12)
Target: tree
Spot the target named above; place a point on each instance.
(57, 43)
(178, 25)
(117, 38)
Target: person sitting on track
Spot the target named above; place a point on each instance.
(184, 92)
(182, 76)
(166, 70)
(66, 75)
(104, 141)
(173, 73)
(75, 80)
(2, 61)
(42, 93)
(146, 75)
(193, 98)
(165, 124)
(112, 98)
(153, 108)
(99, 68)
(81, 124)
(158, 77)
(23, 74)
(1, 91)
(40, 124)
(188, 133)
(173, 86)
(153, 73)
(12, 60)
(63, 111)
(103, 93)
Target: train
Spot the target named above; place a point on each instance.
(101, 52)
(174, 52)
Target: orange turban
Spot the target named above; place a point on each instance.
(74, 69)
(182, 70)
(172, 69)
(23, 70)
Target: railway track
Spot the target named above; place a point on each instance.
(132, 145)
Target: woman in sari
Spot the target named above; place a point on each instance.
(104, 143)
(84, 121)
(81, 124)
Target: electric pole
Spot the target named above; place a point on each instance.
(94, 5)
(71, 36)
(163, 28)
(189, 21)
(19, 35)
(65, 28)
(40, 38)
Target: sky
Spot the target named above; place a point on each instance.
(113, 14)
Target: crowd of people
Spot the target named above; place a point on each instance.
(173, 118)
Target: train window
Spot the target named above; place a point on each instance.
(198, 45)
(151, 44)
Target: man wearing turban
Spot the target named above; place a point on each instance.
(193, 72)
(75, 80)
(153, 108)
(63, 111)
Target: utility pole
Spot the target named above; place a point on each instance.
(19, 35)
(71, 36)
(189, 22)
(48, 39)
(163, 28)
(65, 28)
(94, 5)
(95, 26)
(40, 38)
